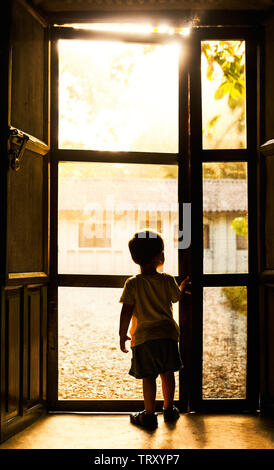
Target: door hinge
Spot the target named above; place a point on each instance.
(17, 142)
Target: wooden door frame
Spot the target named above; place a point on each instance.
(100, 280)
(191, 260)
(252, 36)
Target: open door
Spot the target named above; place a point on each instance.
(224, 139)
(24, 218)
(117, 133)
(154, 125)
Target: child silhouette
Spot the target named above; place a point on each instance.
(147, 303)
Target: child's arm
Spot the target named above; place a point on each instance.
(125, 317)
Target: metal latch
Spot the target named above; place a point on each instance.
(17, 142)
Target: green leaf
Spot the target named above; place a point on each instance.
(222, 90)
(210, 70)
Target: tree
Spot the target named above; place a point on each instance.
(226, 59)
(118, 97)
(236, 298)
(240, 225)
(225, 170)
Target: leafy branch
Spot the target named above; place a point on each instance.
(230, 57)
(239, 224)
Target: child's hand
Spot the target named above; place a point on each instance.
(123, 344)
(186, 282)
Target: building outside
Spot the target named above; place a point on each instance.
(97, 219)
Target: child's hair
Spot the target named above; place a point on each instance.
(145, 245)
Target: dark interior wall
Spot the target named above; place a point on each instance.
(269, 125)
(269, 78)
(266, 228)
(269, 211)
(267, 278)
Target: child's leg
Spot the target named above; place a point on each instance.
(168, 387)
(149, 391)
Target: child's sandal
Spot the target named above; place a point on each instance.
(148, 421)
(171, 414)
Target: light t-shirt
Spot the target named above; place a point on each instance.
(152, 296)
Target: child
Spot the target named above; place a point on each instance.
(147, 302)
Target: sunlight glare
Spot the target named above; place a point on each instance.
(113, 27)
(185, 31)
(131, 28)
(118, 97)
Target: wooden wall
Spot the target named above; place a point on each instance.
(24, 223)
(269, 78)
(267, 277)
(266, 227)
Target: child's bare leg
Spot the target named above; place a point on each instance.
(168, 387)
(149, 391)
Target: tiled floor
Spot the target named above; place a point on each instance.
(191, 431)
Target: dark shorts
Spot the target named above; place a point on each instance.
(155, 357)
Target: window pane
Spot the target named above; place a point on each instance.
(101, 205)
(223, 94)
(225, 214)
(224, 342)
(90, 363)
(118, 96)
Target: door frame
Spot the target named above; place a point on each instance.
(189, 160)
(252, 36)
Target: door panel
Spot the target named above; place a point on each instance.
(12, 348)
(266, 268)
(116, 170)
(34, 319)
(28, 95)
(269, 209)
(24, 274)
(223, 180)
(25, 212)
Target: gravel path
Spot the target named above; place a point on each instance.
(91, 365)
(224, 344)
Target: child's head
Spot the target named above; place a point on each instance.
(145, 246)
